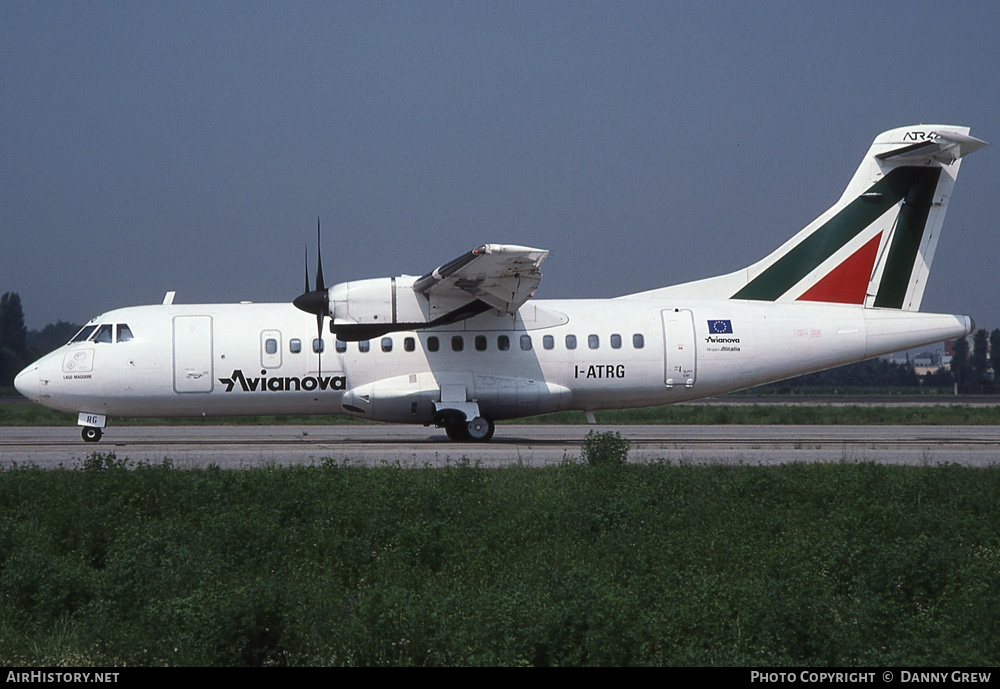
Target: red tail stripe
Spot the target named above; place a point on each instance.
(848, 282)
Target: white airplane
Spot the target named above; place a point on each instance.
(462, 346)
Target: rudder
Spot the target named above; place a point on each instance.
(875, 245)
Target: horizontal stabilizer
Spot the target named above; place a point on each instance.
(941, 147)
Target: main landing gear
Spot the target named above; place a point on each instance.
(478, 430)
(91, 434)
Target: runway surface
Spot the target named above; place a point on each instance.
(533, 445)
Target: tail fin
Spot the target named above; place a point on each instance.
(873, 247)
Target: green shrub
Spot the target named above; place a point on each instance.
(607, 448)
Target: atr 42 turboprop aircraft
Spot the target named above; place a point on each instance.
(462, 346)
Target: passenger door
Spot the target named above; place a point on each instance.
(679, 364)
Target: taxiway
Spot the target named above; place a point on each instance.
(534, 445)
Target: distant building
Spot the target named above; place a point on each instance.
(924, 361)
(949, 351)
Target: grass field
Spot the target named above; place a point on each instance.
(112, 563)
(804, 565)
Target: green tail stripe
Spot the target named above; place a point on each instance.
(906, 241)
(788, 270)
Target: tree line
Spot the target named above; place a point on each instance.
(20, 346)
(973, 369)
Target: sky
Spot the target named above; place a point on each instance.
(190, 146)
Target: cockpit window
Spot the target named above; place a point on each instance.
(103, 334)
(84, 334)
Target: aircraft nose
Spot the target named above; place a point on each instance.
(26, 382)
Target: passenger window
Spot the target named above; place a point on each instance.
(340, 346)
(503, 343)
(364, 345)
(124, 333)
(271, 345)
(480, 343)
(457, 343)
(571, 342)
(432, 344)
(408, 344)
(295, 346)
(637, 341)
(548, 342)
(103, 334)
(616, 341)
(386, 344)
(318, 345)
(526, 343)
(593, 341)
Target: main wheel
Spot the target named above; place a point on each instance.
(91, 434)
(480, 429)
(457, 431)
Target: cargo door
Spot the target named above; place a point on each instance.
(193, 370)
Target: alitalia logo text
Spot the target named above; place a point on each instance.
(282, 383)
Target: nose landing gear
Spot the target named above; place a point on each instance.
(91, 434)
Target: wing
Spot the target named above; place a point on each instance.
(501, 275)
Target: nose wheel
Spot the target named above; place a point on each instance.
(91, 434)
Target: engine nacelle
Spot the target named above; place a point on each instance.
(365, 309)
(377, 301)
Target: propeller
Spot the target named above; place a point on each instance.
(315, 301)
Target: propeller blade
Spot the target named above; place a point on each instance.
(316, 301)
(307, 271)
(319, 336)
(319, 259)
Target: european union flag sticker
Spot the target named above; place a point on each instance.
(720, 327)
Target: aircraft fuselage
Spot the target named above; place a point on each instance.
(245, 359)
